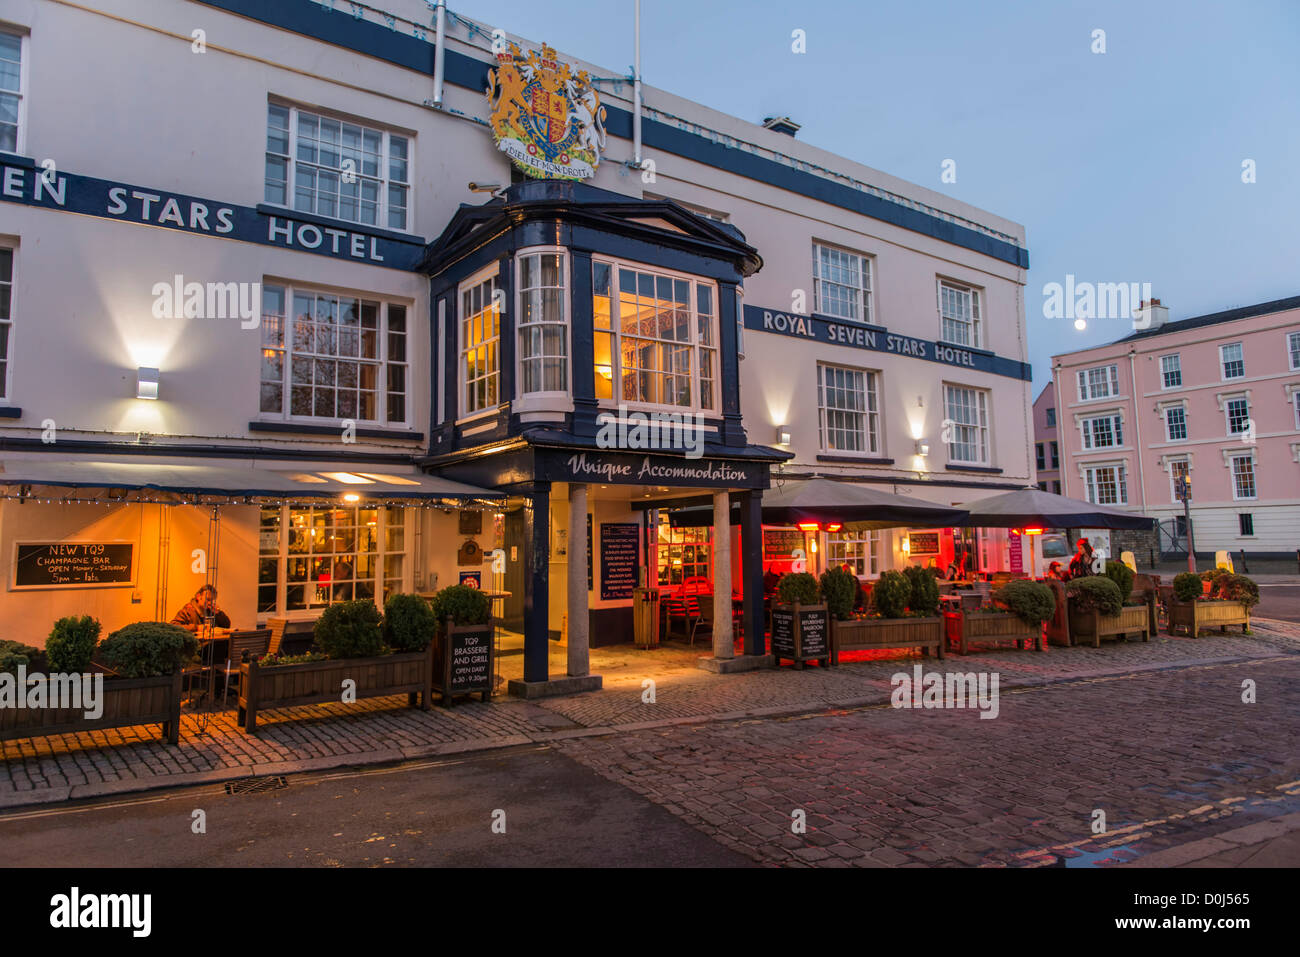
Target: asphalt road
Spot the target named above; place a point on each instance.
(438, 813)
(1279, 601)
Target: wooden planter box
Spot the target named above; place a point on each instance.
(963, 628)
(463, 661)
(286, 686)
(801, 633)
(1091, 626)
(1192, 616)
(868, 634)
(126, 702)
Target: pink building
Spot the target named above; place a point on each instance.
(1047, 452)
(1215, 398)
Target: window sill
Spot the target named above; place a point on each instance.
(953, 467)
(328, 222)
(305, 429)
(480, 416)
(856, 459)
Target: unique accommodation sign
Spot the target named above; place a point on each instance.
(74, 565)
(618, 559)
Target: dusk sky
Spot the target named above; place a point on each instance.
(1124, 166)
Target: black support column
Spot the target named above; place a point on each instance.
(751, 571)
(537, 525)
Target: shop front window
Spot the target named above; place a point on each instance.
(683, 554)
(312, 557)
(858, 551)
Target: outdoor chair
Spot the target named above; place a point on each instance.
(703, 617)
(255, 642)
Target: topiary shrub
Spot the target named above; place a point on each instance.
(797, 588)
(1238, 588)
(149, 649)
(463, 604)
(1098, 593)
(350, 629)
(1187, 586)
(840, 591)
(71, 644)
(1122, 576)
(15, 653)
(408, 623)
(1032, 602)
(925, 591)
(892, 594)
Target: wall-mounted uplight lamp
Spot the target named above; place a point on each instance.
(922, 449)
(146, 383)
(782, 435)
(906, 545)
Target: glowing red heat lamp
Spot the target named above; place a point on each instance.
(809, 526)
(1033, 531)
(834, 527)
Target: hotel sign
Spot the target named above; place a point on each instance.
(854, 335)
(73, 564)
(622, 468)
(265, 225)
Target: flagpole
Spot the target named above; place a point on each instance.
(636, 84)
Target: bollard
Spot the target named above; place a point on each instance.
(1245, 569)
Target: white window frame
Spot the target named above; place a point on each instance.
(1088, 433)
(869, 413)
(1176, 370)
(1227, 414)
(24, 73)
(1181, 409)
(489, 273)
(566, 299)
(982, 426)
(381, 360)
(1295, 396)
(837, 552)
(1232, 475)
(1112, 382)
(1293, 349)
(6, 381)
(861, 293)
(974, 325)
(1121, 482)
(1174, 477)
(1224, 360)
(616, 338)
(385, 160)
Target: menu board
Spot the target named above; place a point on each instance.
(1017, 555)
(783, 632)
(923, 543)
(470, 666)
(618, 559)
(781, 542)
(812, 634)
(73, 564)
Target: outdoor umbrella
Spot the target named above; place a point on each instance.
(825, 500)
(1035, 508)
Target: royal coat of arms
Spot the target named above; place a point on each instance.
(545, 117)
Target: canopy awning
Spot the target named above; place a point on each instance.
(154, 480)
(826, 501)
(1038, 509)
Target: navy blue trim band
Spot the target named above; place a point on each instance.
(295, 428)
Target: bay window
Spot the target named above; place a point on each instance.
(480, 340)
(543, 327)
(332, 356)
(655, 337)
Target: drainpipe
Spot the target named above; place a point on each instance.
(439, 51)
(636, 86)
(1137, 423)
(1060, 432)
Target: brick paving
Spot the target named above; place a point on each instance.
(380, 730)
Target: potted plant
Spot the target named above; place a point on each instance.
(139, 681)
(463, 648)
(906, 614)
(1097, 609)
(800, 621)
(1017, 613)
(1217, 598)
(353, 662)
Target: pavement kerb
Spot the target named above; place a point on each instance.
(55, 795)
(1188, 854)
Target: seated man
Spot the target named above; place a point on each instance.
(196, 612)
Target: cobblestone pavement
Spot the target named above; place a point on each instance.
(1169, 756)
(381, 730)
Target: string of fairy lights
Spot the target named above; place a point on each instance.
(444, 505)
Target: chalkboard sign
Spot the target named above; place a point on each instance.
(463, 661)
(590, 571)
(923, 543)
(783, 632)
(618, 559)
(781, 542)
(74, 565)
(812, 634)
